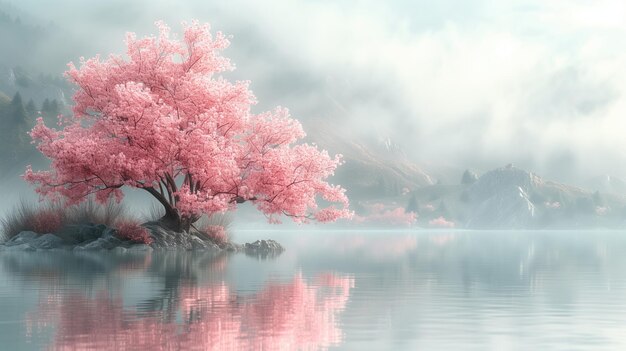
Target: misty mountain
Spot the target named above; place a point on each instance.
(500, 199)
(512, 198)
(17, 118)
(607, 184)
(37, 87)
(373, 167)
(33, 57)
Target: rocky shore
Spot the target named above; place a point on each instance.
(92, 237)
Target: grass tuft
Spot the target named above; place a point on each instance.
(49, 217)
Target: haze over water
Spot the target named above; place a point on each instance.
(330, 290)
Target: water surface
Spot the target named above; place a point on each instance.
(330, 290)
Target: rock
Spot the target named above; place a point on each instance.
(81, 233)
(47, 242)
(231, 247)
(21, 238)
(119, 250)
(104, 243)
(165, 239)
(263, 248)
(21, 247)
(199, 244)
(91, 237)
(31, 241)
(139, 248)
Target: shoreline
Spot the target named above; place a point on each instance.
(92, 237)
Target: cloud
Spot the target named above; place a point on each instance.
(472, 83)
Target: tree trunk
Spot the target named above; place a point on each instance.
(172, 219)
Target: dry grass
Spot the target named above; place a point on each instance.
(48, 221)
(22, 217)
(224, 220)
(48, 217)
(154, 213)
(92, 212)
(207, 226)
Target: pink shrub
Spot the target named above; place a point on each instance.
(396, 216)
(216, 233)
(441, 222)
(132, 231)
(47, 221)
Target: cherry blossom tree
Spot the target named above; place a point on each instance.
(164, 119)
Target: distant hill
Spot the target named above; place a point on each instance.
(512, 198)
(607, 184)
(34, 55)
(37, 87)
(373, 168)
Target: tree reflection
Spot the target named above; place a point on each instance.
(192, 312)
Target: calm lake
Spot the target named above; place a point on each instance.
(357, 290)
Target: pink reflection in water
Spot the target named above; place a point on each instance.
(283, 316)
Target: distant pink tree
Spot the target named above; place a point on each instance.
(165, 121)
(378, 213)
(441, 222)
